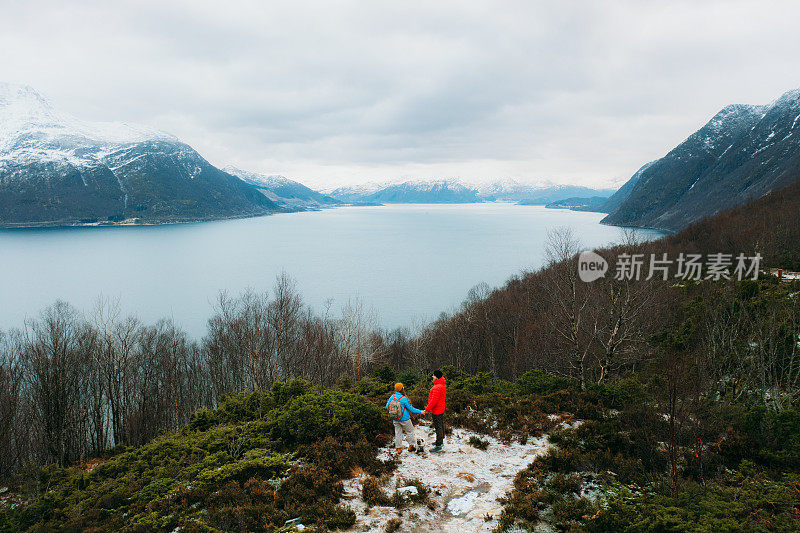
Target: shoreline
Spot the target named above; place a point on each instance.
(136, 222)
(130, 222)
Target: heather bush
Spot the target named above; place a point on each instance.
(342, 458)
(372, 492)
(393, 525)
(258, 460)
(477, 442)
(421, 497)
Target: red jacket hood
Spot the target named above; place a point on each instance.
(439, 381)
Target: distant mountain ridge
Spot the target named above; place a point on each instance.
(742, 153)
(453, 191)
(58, 170)
(409, 192)
(537, 194)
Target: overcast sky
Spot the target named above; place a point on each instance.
(334, 92)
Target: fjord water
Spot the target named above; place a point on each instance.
(407, 262)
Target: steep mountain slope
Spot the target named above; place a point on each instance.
(741, 154)
(56, 169)
(614, 201)
(283, 191)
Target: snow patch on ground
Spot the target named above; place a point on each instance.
(465, 483)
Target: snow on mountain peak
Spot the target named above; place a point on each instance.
(509, 185)
(789, 98)
(30, 128)
(12, 94)
(270, 181)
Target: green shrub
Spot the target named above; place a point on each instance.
(735, 503)
(373, 387)
(258, 463)
(246, 506)
(571, 511)
(385, 374)
(619, 395)
(566, 484)
(538, 382)
(340, 518)
(156, 489)
(221, 470)
(477, 442)
(409, 377)
(483, 383)
(311, 417)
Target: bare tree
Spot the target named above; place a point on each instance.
(115, 359)
(10, 403)
(477, 313)
(569, 298)
(282, 314)
(623, 313)
(55, 366)
(356, 330)
(240, 336)
(775, 353)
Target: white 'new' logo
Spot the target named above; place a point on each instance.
(591, 266)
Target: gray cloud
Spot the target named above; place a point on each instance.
(332, 92)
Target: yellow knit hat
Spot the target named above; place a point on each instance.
(398, 387)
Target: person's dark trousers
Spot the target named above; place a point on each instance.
(438, 425)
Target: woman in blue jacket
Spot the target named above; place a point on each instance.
(401, 416)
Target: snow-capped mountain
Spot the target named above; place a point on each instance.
(742, 153)
(454, 191)
(510, 187)
(283, 191)
(30, 129)
(56, 169)
(540, 193)
(408, 192)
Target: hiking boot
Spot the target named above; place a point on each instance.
(436, 449)
(412, 448)
(398, 450)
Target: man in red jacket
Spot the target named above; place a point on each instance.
(436, 408)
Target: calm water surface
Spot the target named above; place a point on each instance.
(407, 262)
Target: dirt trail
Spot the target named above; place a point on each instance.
(465, 483)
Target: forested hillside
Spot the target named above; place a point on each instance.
(683, 393)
